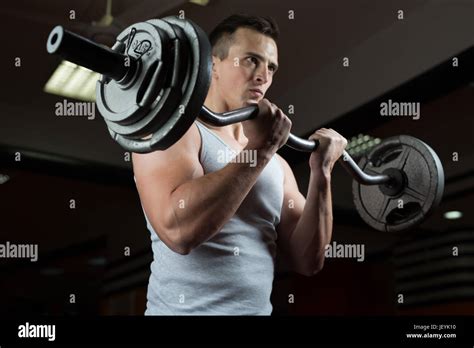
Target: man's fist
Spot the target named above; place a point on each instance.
(331, 146)
(269, 130)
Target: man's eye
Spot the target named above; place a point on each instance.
(252, 60)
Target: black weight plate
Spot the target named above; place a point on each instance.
(199, 79)
(420, 193)
(158, 93)
(178, 72)
(118, 102)
(171, 98)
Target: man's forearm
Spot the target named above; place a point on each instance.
(314, 228)
(203, 205)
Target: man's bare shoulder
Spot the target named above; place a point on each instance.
(168, 169)
(186, 149)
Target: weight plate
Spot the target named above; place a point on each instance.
(160, 96)
(119, 102)
(416, 190)
(198, 80)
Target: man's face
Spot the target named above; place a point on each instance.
(245, 75)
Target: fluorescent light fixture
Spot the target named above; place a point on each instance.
(453, 215)
(4, 178)
(359, 145)
(72, 81)
(200, 2)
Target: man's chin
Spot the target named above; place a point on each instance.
(251, 102)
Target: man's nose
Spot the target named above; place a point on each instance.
(262, 74)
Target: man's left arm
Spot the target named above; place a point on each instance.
(306, 224)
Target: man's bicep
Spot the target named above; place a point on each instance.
(159, 173)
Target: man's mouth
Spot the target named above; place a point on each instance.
(256, 92)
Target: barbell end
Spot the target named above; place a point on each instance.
(54, 39)
(86, 53)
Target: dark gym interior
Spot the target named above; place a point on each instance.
(99, 250)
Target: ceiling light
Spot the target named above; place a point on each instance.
(359, 145)
(72, 81)
(4, 178)
(200, 2)
(453, 215)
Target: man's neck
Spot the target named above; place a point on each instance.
(234, 131)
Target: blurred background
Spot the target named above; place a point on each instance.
(100, 250)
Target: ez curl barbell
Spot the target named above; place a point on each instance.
(154, 82)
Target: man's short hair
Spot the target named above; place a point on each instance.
(223, 34)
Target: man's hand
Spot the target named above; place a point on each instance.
(331, 146)
(269, 130)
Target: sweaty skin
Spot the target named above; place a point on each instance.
(167, 178)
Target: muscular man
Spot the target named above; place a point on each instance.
(216, 226)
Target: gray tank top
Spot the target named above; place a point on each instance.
(231, 273)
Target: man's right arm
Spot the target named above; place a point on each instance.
(184, 206)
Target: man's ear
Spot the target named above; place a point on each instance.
(215, 62)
